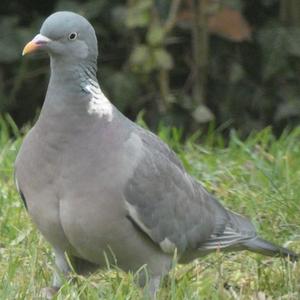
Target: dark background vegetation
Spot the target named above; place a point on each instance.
(185, 63)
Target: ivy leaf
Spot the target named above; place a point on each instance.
(142, 59)
(139, 54)
(155, 35)
(138, 15)
(202, 114)
(163, 59)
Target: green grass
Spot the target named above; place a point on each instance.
(259, 177)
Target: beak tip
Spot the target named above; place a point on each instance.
(30, 47)
(38, 41)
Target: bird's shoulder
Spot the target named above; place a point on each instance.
(156, 146)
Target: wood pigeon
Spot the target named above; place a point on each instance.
(101, 188)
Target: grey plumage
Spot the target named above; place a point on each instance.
(95, 183)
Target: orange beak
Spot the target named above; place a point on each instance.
(38, 42)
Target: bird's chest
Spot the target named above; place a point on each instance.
(92, 208)
(38, 168)
(72, 189)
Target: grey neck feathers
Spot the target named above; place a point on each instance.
(74, 96)
(66, 96)
(72, 77)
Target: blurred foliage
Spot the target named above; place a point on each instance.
(248, 77)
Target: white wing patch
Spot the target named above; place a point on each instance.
(167, 246)
(17, 184)
(98, 104)
(134, 215)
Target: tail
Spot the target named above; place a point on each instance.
(240, 234)
(264, 247)
(254, 243)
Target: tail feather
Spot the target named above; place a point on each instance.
(240, 234)
(264, 247)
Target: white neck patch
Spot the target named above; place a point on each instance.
(98, 104)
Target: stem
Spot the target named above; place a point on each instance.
(200, 43)
(164, 88)
(171, 20)
(163, 75)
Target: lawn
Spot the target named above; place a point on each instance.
(258, 177)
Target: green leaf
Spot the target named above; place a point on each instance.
(138, 15)
(155, 35)
(163, 59)
(139, 55)
(202, 114)
(142, 59)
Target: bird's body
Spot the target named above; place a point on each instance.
(65, 146)
(100, 187)
(66, 211)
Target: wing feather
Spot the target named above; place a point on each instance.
(166, 203)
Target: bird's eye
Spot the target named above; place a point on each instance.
(73, 36)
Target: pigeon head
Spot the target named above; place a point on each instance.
(66, 36)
